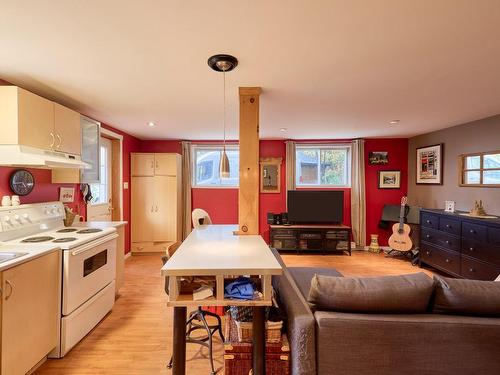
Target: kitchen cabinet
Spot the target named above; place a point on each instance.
(30, 312)
(156, 201)
(30, 120)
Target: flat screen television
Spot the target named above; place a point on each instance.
(315, 206)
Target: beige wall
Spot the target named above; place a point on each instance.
(476, 136)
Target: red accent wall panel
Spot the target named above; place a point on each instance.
(221, 204)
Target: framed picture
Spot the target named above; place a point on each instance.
(389, 179)
(270, 180)
(430, 165)
(67, 195)
(378, 157)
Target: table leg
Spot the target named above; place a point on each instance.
(259, 341)
(179, 342)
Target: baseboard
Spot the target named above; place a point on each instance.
(128, 255)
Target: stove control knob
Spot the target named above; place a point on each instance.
(59, 210)
(53, 211)
(47, 212)
(6, 219)
(17, 217)
(26, 216)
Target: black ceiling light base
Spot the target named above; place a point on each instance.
(222, 63)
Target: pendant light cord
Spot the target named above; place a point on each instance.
(224, 106)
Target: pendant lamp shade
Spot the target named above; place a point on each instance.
(224, 165)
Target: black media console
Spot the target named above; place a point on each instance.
(309, 238)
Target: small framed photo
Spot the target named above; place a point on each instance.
(389, 179)
(430, 165)
(67, 195)
(378, 157)
(449, 206)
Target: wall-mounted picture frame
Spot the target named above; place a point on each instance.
(66, 195)
(378, 157)
(429, 161)
(389, 179)
(270, 176)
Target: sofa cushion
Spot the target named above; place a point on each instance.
(467, 297)
(386, 294)
(303, 276)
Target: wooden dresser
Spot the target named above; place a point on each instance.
(460, 245)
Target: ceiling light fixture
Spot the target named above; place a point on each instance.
(151, 124)
(223, 63)
(283, 130)
(394, 122)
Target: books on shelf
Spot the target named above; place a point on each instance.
(203, 292)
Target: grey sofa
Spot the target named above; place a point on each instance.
(334, 343)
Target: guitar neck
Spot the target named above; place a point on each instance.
(402, 216)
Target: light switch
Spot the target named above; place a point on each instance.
(125, 185)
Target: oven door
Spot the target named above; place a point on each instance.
(86, 270)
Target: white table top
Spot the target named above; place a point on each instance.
(215, 250)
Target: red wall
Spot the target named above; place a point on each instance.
(375, 197)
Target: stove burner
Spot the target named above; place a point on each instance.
(90, 230)
(64, 239)
(67, 230)
(38, 239)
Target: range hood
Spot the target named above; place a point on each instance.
(25, 156)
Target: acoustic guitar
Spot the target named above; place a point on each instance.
(400, 239)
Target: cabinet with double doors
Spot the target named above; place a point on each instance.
(30, 311)
(156, 201)
(31, 120)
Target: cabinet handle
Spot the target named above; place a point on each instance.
(428, 252)
(471, 249)
(472, 231)
(448, 226)
(53, 140)
(59, 139)
(11, 289)
(428, 221)
(428, 236)
(157, 166)
(447, 260)
(152, 165)
(152, 208)
(156, 209)
(447, 242)
(471, 269)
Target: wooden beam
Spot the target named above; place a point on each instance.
(248, 198)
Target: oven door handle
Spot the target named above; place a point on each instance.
(93, 244)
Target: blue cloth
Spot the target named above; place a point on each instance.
(241, 288)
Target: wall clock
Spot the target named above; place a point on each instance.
(22, 182)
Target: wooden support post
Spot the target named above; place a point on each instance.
(248, 202)
(219, 287)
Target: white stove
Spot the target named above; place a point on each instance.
(88, 269)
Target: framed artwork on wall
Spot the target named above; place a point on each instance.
(378, 157)
(430, 165)
(389, 179)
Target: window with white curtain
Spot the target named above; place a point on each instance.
(206, 160)
(323, 165)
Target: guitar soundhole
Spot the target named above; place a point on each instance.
(401, 231)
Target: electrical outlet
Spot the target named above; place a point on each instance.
(125, 185)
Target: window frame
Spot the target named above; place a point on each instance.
(213, 146)
(462, 169)
(325, 146)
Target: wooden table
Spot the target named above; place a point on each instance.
(213, 250)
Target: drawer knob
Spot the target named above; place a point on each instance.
(471, 249)
(471, 269)
(428, 236)
(448, 226)
(472, 231)
(447, 242)
(428, 252)
(428, 221)
(447, 260)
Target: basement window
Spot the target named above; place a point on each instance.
(206, 160)
(323, 165)
(480, 169)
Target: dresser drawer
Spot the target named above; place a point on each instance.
(443, 239)
(475, 269)
(494, 236)
(481, 250)
(449, 225)
(429, 220)
(445, 260)
(282, 232)
(474, 231)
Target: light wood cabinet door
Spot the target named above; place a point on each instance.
(142, 208)
(165, 211)
(67, 130)
(142, 164)
(166, 164)
(30, 313)
(35, 120)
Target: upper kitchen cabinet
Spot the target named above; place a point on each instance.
(30, 120)
(27, 119)
(67, 130)
(142, 164)
(166, 164)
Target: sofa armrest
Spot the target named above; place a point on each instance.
(301, 324)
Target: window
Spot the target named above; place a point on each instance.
(101, 191)
(482, 169)
(322, 165)
(206, 160)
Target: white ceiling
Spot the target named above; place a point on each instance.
(328, 68)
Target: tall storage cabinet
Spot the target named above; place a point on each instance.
(156, 201)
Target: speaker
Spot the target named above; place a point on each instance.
(270, 218)
(278, 219)
(284, 218)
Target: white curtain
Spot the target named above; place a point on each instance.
(186, 188)
(358, 199)
(290, 166)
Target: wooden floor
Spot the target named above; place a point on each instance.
(135, 338)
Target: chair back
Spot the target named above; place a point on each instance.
(200, 217)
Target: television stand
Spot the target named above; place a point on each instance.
(311, 238)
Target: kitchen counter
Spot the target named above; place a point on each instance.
(100, 224)
(34, 251)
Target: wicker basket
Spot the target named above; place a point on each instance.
(273, 331)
